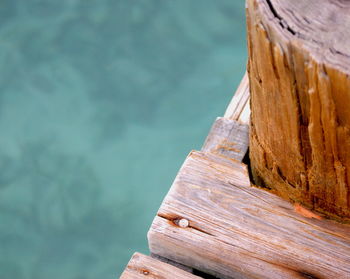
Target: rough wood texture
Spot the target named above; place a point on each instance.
(228, 138)
(299, 66)
(213, 220)
(141, 267)
(239, 108)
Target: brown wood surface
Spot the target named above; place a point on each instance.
(299, 67)
(142, 267)
(229, 138)
(213, 220)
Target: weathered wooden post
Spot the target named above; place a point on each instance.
(299, 66)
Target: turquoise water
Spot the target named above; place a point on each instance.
(101, 101)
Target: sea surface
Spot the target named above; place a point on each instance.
(100, 102)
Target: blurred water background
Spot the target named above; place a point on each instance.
(100, 102)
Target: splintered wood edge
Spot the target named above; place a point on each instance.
(239, 107)
(232, 230)
(141, 266)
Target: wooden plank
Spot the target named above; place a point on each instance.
(213, 220)
(244, 117)
(239, 107)
(229, 138)
(141, 266)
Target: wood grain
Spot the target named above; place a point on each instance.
(239, 231)
(239, 108)
(142, 267)
(299, 68)
(228, 138)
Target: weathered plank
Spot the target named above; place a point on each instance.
(229, 138)
(213, 220)
(239, 108)
(141, 266)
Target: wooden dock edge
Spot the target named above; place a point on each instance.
(223, 139)
(213, 220)
(232, 230)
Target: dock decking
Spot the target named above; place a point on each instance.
(214, 220)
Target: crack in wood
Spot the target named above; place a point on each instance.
(307, 275)
(282, 22)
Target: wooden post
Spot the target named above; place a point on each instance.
(299, 66)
